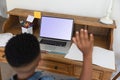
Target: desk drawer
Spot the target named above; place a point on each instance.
(97, 75)
(55, 66)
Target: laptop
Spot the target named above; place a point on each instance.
(55, 34)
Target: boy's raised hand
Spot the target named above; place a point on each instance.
(84, 42)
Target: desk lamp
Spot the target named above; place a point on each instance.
(107, 19)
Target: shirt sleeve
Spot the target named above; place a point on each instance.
(47, 78)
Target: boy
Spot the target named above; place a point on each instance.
(23, 54)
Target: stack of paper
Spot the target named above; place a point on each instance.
(101, 57)
(4, 37)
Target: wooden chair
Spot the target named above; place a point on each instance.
(118, 75)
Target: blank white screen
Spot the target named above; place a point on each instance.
(57, 28)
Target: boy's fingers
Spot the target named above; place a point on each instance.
(82, 35)
(86, 34)
(74, 40)
(77, 37)
(91, 37)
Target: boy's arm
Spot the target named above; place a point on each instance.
(85, 44)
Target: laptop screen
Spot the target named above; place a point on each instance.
(57, 28)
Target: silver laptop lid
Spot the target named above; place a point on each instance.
(56, 28)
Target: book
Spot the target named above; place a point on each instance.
(101, 57)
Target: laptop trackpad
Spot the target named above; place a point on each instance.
(50, 48)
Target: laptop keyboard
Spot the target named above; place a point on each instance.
(55, 43)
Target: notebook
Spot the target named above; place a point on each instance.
(101, 57)
(55, 34)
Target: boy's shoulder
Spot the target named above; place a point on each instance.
(37, 76)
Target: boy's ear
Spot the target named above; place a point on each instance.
(39, 60)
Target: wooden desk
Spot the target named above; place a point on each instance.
(56, 62)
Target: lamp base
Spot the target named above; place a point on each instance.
(106, 20)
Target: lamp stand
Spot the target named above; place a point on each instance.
(107, 19)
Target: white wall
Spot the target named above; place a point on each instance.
(79, 7)
(93, 8)
(3, 8)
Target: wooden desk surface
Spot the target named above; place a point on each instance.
(57, 57)
(52, 61)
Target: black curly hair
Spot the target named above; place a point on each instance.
(22, 49)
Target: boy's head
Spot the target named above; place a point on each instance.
(22, 50)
